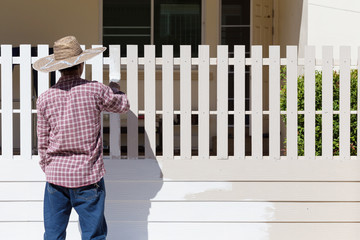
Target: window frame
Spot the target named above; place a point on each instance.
(152, 2)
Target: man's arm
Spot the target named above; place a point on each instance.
(114, 100)
(43, 132)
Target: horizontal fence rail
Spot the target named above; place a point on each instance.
(223, 107)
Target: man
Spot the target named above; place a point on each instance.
(70, 143)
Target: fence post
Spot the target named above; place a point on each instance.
(115, 124)
(291, 103)
(256, 102)
(132, 93)
(168, 102)
(25, 102)
(149, 102)
(309, 127)
(203, 99)
(344, 122)
(239, 102)
(6, 101)
(222, 102)
(185, 102)
(274, 102)
(327, 103)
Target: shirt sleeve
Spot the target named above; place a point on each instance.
(43, 132)
(114, 100)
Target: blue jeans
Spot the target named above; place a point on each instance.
(88, 202)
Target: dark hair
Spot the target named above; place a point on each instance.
(70, 69)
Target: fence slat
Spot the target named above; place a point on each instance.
(168, 102)
(114, 75)
(97, 66)
(185, 102)
(327, 102)
(344, 103)
(291, 103)
(222, 102)
(239, 102)
(256, 103)
(25, 102)
(149, 102)
(274, 102)
(204, 105)
(6, 102)
(43, 78)
(309, 102)
(132, 94)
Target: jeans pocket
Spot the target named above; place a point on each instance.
(51, 188)
(87, 192)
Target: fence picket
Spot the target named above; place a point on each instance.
(25, 102)
(239, 102)
(309, 102)
(344, 103)
(149, 102)
(168, 102)
(204, 105)
(256, 103)
(327, 102)
(132, 93)
(222, 102)
(185, 102)
(274, 102)
(115, 124)
(6, 102)
(291, 103)
(43, 78)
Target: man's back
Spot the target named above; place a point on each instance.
(69, 124)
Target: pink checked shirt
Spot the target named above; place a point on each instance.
(68, 129)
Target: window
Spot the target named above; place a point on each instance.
(235, 30)
(175, 22)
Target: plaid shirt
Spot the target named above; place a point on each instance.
(68, 129)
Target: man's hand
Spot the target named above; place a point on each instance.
(114, 85)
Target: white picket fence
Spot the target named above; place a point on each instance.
(186, 63)
(203, 198)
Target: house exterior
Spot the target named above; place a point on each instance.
(220, 174)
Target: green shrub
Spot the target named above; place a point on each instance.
(318, 107)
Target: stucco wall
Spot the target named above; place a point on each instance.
(334, 23)
(38, 21)
(291, 24)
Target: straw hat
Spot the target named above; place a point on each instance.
(67, 53)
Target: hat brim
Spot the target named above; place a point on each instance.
(50, 64)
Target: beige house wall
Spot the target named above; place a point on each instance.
(290, 24)
(42, 22)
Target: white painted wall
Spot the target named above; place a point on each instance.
(335, 23)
